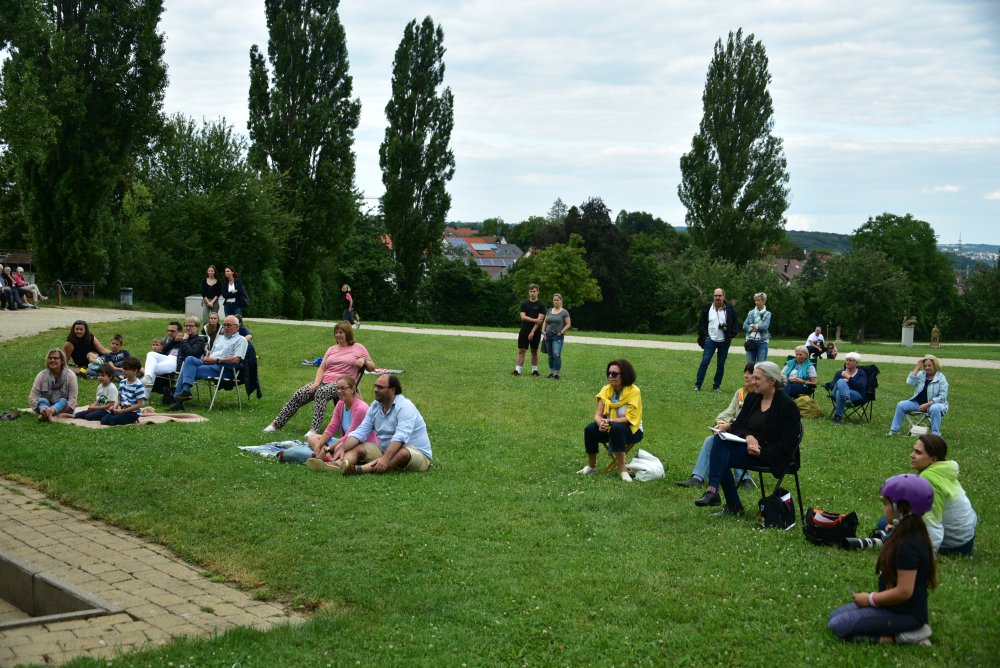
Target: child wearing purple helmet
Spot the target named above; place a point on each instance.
(897, 612)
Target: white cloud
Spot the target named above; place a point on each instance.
(995, 195)
(580, 98)
(942, 189)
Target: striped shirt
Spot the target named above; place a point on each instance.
(129, 394)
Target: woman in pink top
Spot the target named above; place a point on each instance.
(346, 358)
(347, 416)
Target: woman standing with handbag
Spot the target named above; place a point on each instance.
(557, 323)
(758, 328)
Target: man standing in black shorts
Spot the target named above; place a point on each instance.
(532, 315)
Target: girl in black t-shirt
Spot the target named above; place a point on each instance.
(897, 612)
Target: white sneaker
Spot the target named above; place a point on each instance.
(310, 433)
(587, 470)
(921, 636)
(626, 477)
(269, 428)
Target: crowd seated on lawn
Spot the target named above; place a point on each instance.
(180, 344)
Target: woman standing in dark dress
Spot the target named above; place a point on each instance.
(211, 293)
(234, 294)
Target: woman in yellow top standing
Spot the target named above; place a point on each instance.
(617, 420)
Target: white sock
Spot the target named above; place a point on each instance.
(534, 368)
(517, 368)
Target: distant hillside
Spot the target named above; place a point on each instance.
(838, 243)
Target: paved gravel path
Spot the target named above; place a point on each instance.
(26, 323)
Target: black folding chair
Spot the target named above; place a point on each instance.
(792, 468)
(863, 409)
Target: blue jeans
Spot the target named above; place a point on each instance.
(842, 393)
(849, 621)
(297, 454)
(619, 437)
(194, 369)
(93, 416)
(759, 355)
(555, 344)
(59, 405)
(724, 455)
(701, 466)
(795, 389)
(720, 362)
(116, 419)
(904, 407)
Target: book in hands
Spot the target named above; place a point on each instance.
(726, 436)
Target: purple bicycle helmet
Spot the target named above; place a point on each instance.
(911, 488)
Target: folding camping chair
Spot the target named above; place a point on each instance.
(862, 409)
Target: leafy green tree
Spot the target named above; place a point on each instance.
(369, 268)
(559, 268)
(558, 212)
(483, 300)
(302, 130)
(607, 256)
(864, 291)
(494, 227)
(981, 316)
(415, 156)
(911, 246)
(733, 180)
(81, 97)
(197, 203)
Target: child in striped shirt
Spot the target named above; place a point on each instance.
(131, 396)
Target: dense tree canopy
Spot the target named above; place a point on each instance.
(865, 293)
(81, 97)
(302, 127)
(416, 158)
(911, 246)
(559, 268)
(733, 180)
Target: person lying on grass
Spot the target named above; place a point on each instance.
(897, 612)
(403, 443)
(348, 415)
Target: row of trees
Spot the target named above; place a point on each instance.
(104, 188)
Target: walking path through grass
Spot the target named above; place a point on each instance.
(27, 323)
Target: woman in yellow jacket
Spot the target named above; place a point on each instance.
(617, 420)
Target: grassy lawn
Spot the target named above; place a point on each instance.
(502, 555)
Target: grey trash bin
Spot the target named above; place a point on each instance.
(126, 295)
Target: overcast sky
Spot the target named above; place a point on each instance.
(891, 105)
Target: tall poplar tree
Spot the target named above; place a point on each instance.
(302, 127)
(80, 98)
(733, 180)
(415, 156)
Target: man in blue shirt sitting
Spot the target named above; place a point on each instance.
(402, 435)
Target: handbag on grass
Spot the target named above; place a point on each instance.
(777, 511)
(823, 528)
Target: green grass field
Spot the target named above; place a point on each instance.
(502, 555)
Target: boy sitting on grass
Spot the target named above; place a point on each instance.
(107, 395)
(131, 396)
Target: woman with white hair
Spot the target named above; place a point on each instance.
(768, 425)
(22, 282)
(931, 396)
(758, 328)
(799, 373)
(849, 384)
